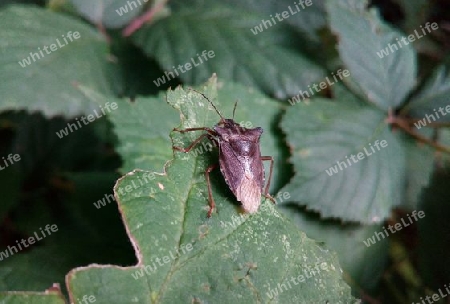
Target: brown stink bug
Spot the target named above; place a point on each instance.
(240, 160)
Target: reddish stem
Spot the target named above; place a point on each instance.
(139, 21)
(403, 124)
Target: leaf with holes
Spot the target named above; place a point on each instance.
(183, 256)
(349, 241)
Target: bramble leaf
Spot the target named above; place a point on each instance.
(220, 40)
(328, 179)
(431, 104)
(385, 77)
(185, 256)
(39, 63)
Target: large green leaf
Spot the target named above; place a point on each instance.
(431, 103)
(47, 84)
(349, 241)
(419, 157)
(419, 166)
(307, 20)
(263, 61)
(323, 133)
(385, 79)
(183, 256)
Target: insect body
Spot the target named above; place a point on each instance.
(240, 160)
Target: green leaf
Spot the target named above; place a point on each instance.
(385, 79)
(47, 297)
(42, 200)
(109, 13)
(323, 133)
(136, 70)
(43, 152)
(263, 61)
(47, 84)
(419, 169)
(43, 265)
(184, 256)
(431, 104)
(349, 242)
(142, 127)
(48, 260)
(308, 20)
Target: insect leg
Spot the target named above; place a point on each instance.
(212, 205)
(195, 142)
(209, 130)
(266, 190)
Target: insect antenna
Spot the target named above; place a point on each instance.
(204, 96)
(234, 109)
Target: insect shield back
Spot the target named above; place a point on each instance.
(240, 160)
